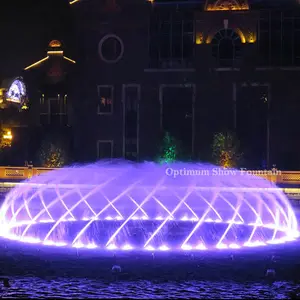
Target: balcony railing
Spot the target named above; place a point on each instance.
(22, 173)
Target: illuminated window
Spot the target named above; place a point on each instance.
(111, 48)
(104, 149)
(171, 40)
(105, 99)
(226, 47)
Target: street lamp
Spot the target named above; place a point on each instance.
(7, 135)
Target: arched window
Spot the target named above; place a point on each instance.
(226, 47)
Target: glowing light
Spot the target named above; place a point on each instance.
(49, 243)
(70, 60)
(61, 244)
(241, 35)
(57, 52)
(112, 247)
(8, 135)
(91, 246)
(222, 246)
(186, 247)
(73, 2)
(2, 92)
(251, 38)
(234, 246)
(55, 44)
(24, 107)
(227, 5)
(149, 248)
(199, 38)
(116, 206)
(36, 63)
(201, 247)
(237, 30)
(78, 245)
(127, 247)
(254, 244)
(16, 92)
(164, 248)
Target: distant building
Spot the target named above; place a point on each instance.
(41, 104)
(48, 83)
(192, 68)
(13, 120)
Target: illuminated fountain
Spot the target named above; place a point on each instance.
(127, 206)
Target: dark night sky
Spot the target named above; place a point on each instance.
(27, 26)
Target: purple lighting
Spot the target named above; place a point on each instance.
(124, 206)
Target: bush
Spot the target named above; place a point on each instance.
(226, 150)
(53, 153)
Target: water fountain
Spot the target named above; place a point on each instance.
(124, 206)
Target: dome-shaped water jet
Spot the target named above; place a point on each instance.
(123, 206)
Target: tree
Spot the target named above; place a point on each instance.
(226, 150)
(169, 150)
(53, 153)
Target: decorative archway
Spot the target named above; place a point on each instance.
(226, 45)
(221, 5)
(13, 92)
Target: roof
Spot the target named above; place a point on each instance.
(54, 50)
(251, 2)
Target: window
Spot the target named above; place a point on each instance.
(177, 114)
(131, 96)
(44, 107)
(111, 48)
(131, 149)
(58, 113)
(296, 42)
(171, 40)
(278, 36)
(105, 99)
(53, 110)
(226, 47)
(252, 121)
(54, 105)
(287, 42)
(104, 149)
(44, 110)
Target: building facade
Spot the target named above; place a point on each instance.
(189, 68)
(48, 81)
(35, 106)
(13, 120)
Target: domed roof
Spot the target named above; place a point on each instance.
(55, 44)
